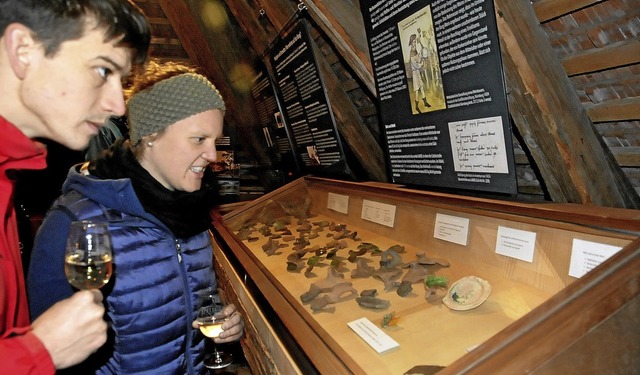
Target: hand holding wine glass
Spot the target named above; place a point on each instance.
(210, 318)
(89, 254)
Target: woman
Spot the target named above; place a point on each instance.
(155, 191)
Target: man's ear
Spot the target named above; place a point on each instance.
(19, 45)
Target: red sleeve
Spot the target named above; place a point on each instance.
(23, 353)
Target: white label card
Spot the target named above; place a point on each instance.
(586, 255)
(451, 228)
(338, 202)
(373, 335)
(377, 212)
(515, 243)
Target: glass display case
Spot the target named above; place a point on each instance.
(369, 278)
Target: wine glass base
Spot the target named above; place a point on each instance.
(221, 360)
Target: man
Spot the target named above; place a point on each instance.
(61, 65)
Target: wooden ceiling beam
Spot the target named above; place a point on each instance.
(627, 156)
(158, 21)
(240, 111)
(626, 109)
(195, 44)
(613, 55)
(249, 21)
(342, 22)
(549, 9)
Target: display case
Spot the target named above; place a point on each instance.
(315, 264)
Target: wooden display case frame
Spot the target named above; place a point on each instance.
(564, 331)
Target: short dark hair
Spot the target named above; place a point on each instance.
(56, 21)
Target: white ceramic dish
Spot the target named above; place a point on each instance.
(467, 293)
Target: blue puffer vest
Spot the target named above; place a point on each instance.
(151, 297)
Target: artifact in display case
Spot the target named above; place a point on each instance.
(380, 279)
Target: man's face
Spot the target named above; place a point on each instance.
(69, 95)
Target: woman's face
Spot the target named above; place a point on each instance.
(180, 154)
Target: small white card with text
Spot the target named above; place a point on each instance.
(451, 228)
(374, 336)
(516, 243)
(587, 255)
(338, 202)
(381, 213)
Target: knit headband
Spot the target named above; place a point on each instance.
(169, 101)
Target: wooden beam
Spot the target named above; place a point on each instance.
(195, 44)
(615, 110)
(627, 156)
(248, 19)
(342, 22)
(549, 9)
(240, 110)
(613, 55)
(351, 126)
(169, 41)
(279, 12)
(575, 164)
(158, 21)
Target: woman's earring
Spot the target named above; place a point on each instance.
(150, 144)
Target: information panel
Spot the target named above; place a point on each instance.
(440, 84)
(305, 108)
(272, 124)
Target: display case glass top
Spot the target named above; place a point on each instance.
(329, 255)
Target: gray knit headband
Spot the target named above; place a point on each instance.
(169, 101)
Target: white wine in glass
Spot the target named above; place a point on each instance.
(89, 255)
(211, 326)
(210, 319)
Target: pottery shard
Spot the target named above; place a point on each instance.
(322, 304)
(333, 278)
(389, 277)
(415, 274)
(362, 270)
(341, 292)
(309, 295)
(390, 258)
(270, 246)
(404, 288)
(373, 303)
(369, 293)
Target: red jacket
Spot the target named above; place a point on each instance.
(21, 352)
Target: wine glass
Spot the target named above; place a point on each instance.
(210, 318)
(89, 254)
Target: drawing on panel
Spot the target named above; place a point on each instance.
(421, 61)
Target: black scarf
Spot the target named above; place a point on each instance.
(186, 214)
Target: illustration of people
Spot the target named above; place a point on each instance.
(313, 155)
(422, 46)
(425, 88)
(416, 61)
(432, 66)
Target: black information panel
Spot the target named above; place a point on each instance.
(443, 106)
(272, 124)
(305, 109)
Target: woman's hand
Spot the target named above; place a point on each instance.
(233, 328)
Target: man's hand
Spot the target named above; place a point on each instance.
(73, 328)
